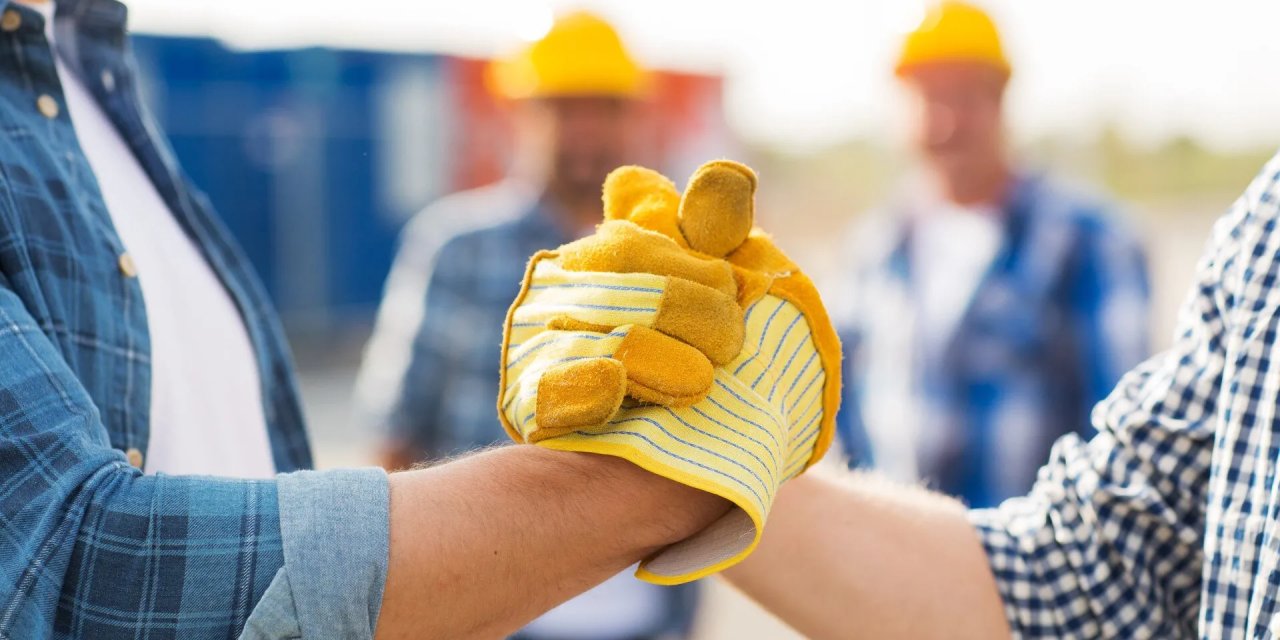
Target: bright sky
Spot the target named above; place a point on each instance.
(804, 73)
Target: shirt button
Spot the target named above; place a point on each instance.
(135, 457)
(127, 267)
(11, 20)
(47, 106)
(108, 80)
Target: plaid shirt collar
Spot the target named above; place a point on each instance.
(542, 220)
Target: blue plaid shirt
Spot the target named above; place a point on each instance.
(92, 548)
(436, 379)
(1059, 316)
(1167, 523)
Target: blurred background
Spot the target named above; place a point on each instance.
(320, 128)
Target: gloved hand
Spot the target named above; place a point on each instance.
(679, 304)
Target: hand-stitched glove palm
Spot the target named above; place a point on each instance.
(587, 324)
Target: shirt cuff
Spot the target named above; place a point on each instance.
(274, 617)
(335, 527)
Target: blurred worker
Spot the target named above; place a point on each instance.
(430, 369)
(992, 308)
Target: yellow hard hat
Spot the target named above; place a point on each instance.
(953, 32)
(581, 55)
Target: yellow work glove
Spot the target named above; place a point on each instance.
(721, 341)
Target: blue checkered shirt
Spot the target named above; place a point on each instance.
(1058, 317)
(1167, 523)
(89, 546)
(431, 375)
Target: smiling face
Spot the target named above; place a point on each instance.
(957, 126)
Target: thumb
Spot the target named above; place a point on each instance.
(718, 207)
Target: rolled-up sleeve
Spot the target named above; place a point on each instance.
(334, 526)
(1109, 543)
(95, 549)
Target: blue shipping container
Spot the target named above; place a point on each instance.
(313, 157)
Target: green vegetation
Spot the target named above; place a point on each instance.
(1177, 167)
(845, 179)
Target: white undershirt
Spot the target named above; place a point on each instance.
(206, 399)
(952, 249)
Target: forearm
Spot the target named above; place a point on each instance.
(481, 546)
(859, 557)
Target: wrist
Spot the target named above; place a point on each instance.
(523, 525)
(660, 511)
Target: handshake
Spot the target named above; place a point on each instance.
(681, 339)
